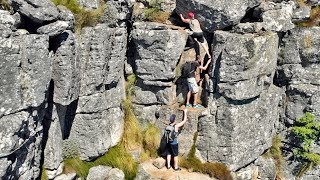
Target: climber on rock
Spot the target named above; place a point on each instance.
(172, 144)
(192, 82)
(195, 32)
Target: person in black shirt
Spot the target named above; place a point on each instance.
(192, 83)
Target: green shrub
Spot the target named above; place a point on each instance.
(82, 16)
(154, 13)
(116, 157)
(307, 132)
(151, 139)
(44, 175)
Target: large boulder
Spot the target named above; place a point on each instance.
(66, 77)
(157, 51)
(244, 64)
(38, 11)
(218, 14)
(299, 70)
(98, 122)
(238, 132)
(53, 29)
(105, 173)
(25, 69)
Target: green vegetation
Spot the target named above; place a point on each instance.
(216, 170)
(307, 132)
(5, 5)
(83, 17)
(314, 19)
(276, 154)
(154, 13)
(151, 139)
(44, 174)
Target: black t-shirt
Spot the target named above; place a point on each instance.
(193, 69)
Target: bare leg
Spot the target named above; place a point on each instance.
(205, 47)
(168, 160)
(175, 162)
(195, 96)
(188, 97)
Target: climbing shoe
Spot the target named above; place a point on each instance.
(197, 106)
(178, 169)
(188, 105)
(168, 167)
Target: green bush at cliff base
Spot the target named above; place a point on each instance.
(306, 131)
(151, 139)
(116, 157)
(82, 16)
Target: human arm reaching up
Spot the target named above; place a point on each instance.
(183, 19)
(206, 66)
(184, 118)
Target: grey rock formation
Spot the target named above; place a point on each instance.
(159, 163)
(25, 70)
(276, 16)
(105, 173)
(98, 124)
(38, 11)
(66, 15)
(299, 71)
(219, 14)
(301, 13)
(8, 22)
(247, 63)
(238, 128)
(53, 29)
(266, 168)
(20, 148)
(66, 65)
(90, 4)
(158, 49)
(70, 176)
(53, 149)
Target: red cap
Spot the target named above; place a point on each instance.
(190, 15)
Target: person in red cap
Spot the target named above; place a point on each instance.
(196, 31)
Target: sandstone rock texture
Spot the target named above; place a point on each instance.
(216, 15)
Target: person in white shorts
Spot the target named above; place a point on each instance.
(192, 83)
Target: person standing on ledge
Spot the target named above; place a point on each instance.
(173, 148)
(192, 82)
(196, 31)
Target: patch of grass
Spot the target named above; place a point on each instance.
(216, 170)
(301, 3)
(116, 157)
(314, 19)
(82, 16)
(276, 154)
(44, 175)
(154, 13)
(132, 136)
(151, 139)
(5, 5)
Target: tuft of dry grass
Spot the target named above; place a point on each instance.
(5, 5)
(151, 139)
(314, 19)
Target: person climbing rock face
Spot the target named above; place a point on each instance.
(192, 83)
(172, 145)
(196, 31)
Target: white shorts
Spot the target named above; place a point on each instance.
(192, 85)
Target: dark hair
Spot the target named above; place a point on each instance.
(172, 118)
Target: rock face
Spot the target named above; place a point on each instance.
(105, 172)
(240, 120)
(219, 14)
(299, 70)
(38, 11)
(98, 123)
(25, 70)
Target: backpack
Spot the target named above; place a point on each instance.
(170, 134)
(186, 69)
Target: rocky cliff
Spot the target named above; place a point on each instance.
(62, 89)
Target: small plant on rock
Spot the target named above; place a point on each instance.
(4, 5)
(154, 13)
(307, 133)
